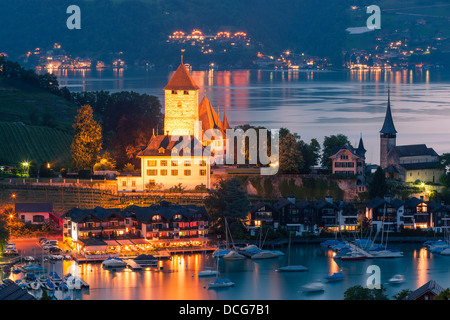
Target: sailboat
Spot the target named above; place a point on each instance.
(383, 251)
(291, 268)
(233, 254)
(220, 282)
(208, 272)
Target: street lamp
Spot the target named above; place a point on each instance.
(26, 165)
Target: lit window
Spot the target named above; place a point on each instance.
(202, 163)
(163, 163)
(187, 172)
(174, 172)
(187, 163)
(151, 163)
(174, 163)
(152, 172)
(124, 183)
(164, 172)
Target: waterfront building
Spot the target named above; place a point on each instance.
(408, 163)
(135, 227)
(415, 213)
(303, 216)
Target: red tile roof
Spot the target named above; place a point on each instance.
(208, 117)
(181, 80)
(162, 145)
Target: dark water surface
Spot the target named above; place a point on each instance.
(255, 279)
(313, 104)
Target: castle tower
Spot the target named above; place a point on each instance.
(181, 103)
(388, 135)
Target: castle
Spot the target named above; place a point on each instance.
(167, 161)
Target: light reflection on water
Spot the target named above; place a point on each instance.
(313, 104)
(255, 279)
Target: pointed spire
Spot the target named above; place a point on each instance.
(388, 125)
(361, 150)
(226, 125)
(181, 80)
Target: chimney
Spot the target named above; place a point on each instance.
(387, 198)
(421, 198)
(329, 199)
(291, 199)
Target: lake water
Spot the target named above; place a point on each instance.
(313, 104)
(255, 279)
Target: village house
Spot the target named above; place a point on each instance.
(350, 162)
(37, 213)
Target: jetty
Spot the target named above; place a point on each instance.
(360, 250)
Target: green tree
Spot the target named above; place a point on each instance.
(378, 186)
(290, 157)
(228, 200)
(106, 163)
(402, 294)
(360, 293)
(87, 140)
(329, 143)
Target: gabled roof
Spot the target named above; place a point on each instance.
(431, 286)
(170, 148)
(181, 80)
(143, 214)
(9, 290)
(336, 150)
(208, 116)
(258, 205)
(388, 125)
(420, 166)
(413, 202)
(415, 150)
(33, 207)
(375, 202)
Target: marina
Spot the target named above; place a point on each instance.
(180, 277)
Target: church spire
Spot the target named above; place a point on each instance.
(388, 125)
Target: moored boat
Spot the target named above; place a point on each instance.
(293, 268)
(313, 287)
(398, 278)
(335, 276)
(221, 283)
(233, 255)
(114, 263)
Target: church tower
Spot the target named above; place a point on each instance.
(388, 136)
(181, 103)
